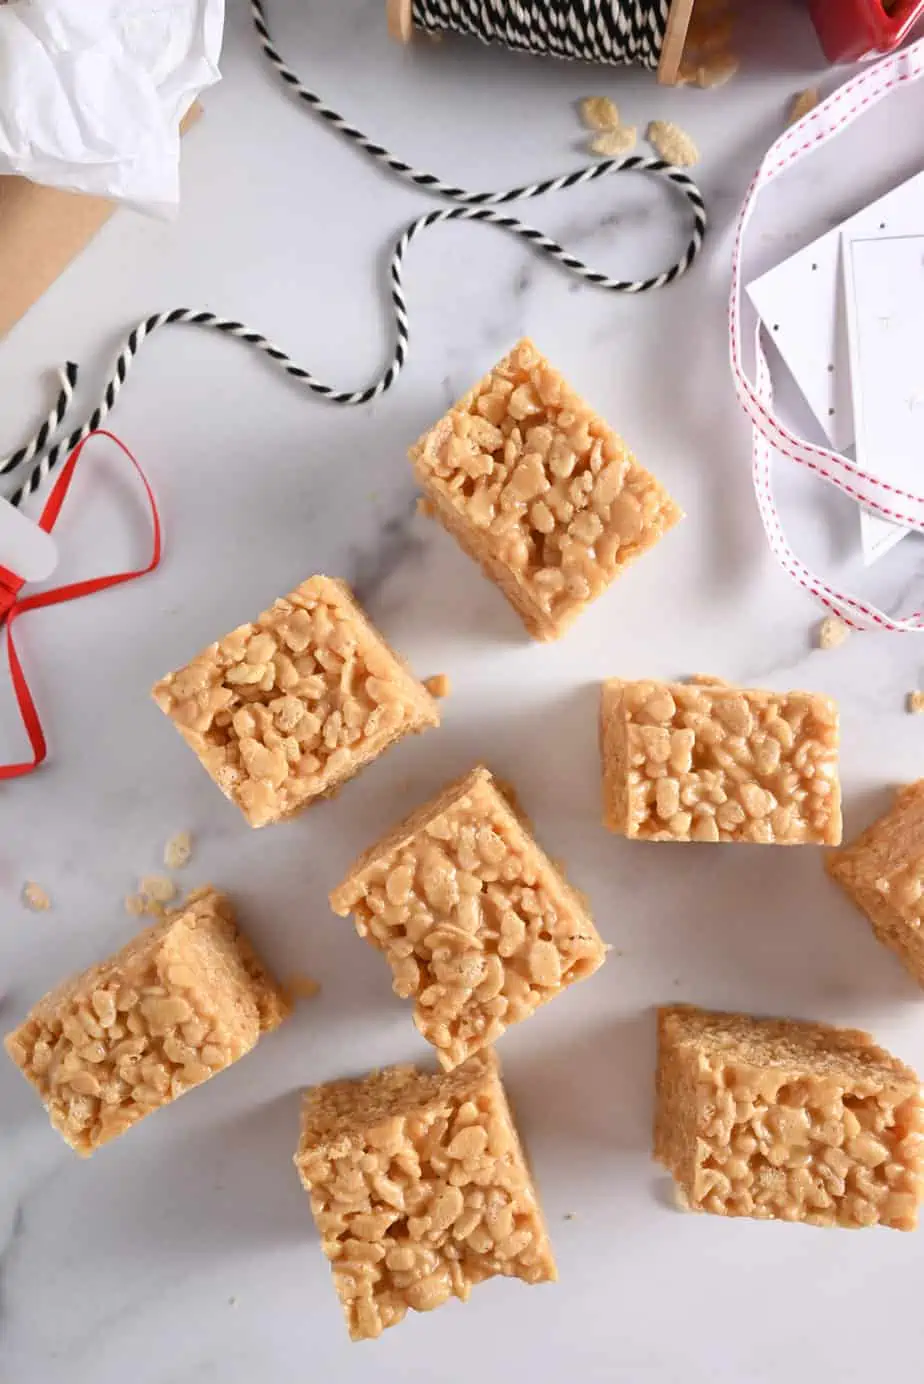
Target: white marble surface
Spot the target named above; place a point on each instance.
(185, 1252)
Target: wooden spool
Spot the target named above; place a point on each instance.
(401, 27)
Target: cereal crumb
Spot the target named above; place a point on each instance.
(570, 1215)
(802, 103)
(178, 850)
(300, 987)
(916, 703)
(157, 888)
(439, 685)
(35, 897)
(599, 113)
(425, 507)
(144, 903)
(612, 143)
(832, 632)
(232, 1301)
(673, 144)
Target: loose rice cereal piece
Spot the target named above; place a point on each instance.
(672, 144)
(599, 113)
(144, 904)
(438, 686)
(688, 762)
(916, 703)
(420, 1190)
(157, 888)
(612, 144)
(477, 924)
(540, 491)
(783, 1120)
(832, 632)
(178, 850)
(802, 103)
(882, 871)
(284, 711)
(182, 1001)
(35, 898)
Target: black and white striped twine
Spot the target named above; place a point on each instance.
(469, 206)
(592, 30)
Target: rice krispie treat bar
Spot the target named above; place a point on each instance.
(883, 872)
(539, 490)
(285, 710)
(420, 1190)
(782, 1120)
(711, 762)
(182, 1001)
(477, 924)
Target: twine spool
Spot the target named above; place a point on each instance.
(646, 33)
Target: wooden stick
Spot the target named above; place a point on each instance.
(675, 38)
(400, 25)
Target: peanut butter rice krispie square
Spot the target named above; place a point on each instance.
(477, 924)
(711, 762)
(540, 491)
(284, 711)
(182, 1001)
(883, 872)
(784, 1120)
(420, 1190)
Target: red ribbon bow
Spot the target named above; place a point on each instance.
(11, 608)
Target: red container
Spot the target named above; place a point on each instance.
(853, 29)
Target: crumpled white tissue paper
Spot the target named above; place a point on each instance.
(92, 92)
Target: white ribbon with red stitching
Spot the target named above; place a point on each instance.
(770, 436)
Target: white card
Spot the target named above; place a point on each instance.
(884, 291)
(25, 550)
(800, 304)
(878, 536)
(885, 316)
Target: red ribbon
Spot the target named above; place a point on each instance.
(11, 608)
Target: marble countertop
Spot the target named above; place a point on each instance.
(186, 1252)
